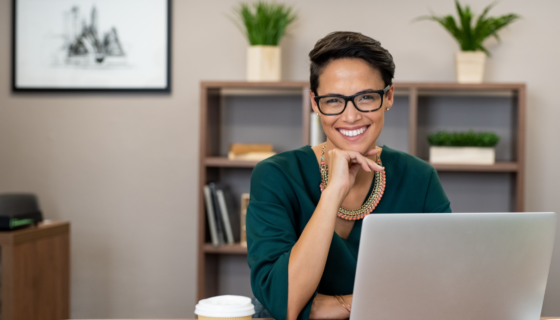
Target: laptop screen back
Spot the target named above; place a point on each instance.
(460, 266)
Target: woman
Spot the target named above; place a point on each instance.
(305, 215)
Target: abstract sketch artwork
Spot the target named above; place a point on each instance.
(85, 44)
(91, 45)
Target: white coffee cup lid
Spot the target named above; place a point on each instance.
(225, 307)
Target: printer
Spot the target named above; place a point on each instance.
(19, 210)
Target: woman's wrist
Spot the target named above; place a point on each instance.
(347, 306)
(348, 299)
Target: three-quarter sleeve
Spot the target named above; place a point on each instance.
(271, 235)
(436, 200)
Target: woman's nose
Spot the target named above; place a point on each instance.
(351, 114)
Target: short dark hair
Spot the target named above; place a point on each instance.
(344, 44)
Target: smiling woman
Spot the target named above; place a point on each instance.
(307, 205)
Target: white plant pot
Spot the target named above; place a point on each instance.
(470, 66)
(263, 63)
(462, 155)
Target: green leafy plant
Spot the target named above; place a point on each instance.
(264, 23)
(463, 139)
(470, 37)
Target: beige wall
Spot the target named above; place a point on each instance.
(123, 168)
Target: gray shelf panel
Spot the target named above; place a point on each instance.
(275, 120)
(234, 275)
(479, 192)
(395, 130)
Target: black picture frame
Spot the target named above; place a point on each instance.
(165, 88)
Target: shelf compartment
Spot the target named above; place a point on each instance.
(225, 249)
(453, 113)
(497, 167)
(276, 120)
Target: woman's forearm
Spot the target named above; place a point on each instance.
(309, 254)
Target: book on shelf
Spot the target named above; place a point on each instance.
(211, 217)
(225, 211)
(250, 152)
(217, 215)
(244, 204)
(224, 216)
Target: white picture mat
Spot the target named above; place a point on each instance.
(142, 28)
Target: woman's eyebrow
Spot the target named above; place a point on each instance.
(359, 92)
(365, 91)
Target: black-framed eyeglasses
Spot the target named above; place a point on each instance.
(364, 101)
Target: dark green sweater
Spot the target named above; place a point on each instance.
(284, 194)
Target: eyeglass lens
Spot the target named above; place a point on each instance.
(364, 102)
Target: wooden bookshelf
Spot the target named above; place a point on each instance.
(225, 249)
(497, 167)
(219, 102)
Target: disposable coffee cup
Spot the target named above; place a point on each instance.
(225, 308)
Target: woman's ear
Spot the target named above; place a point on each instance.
(389, 98)
(313, 103)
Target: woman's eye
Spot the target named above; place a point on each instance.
(367, 97)
(333, 101)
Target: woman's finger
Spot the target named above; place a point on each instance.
(372, 165)
(353, 157)
(360, 161)
(365, 163)
(372, 152)
(376, 167)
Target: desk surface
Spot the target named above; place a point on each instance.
(43, 230)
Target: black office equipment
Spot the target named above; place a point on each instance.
(19, 210)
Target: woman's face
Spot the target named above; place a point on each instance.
(348, 77)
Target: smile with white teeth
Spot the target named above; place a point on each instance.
(352, 133)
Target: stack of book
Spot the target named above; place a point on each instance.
(222, 219)
(250, 152)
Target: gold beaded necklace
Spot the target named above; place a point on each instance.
(376, 194)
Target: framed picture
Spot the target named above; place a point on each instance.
(91, 45)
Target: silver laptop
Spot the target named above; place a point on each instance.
(459, 266)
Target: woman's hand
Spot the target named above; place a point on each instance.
(328, 307)
(344, 166)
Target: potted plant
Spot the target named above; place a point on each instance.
(470, 60)
(463, 147)
(264, 24)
